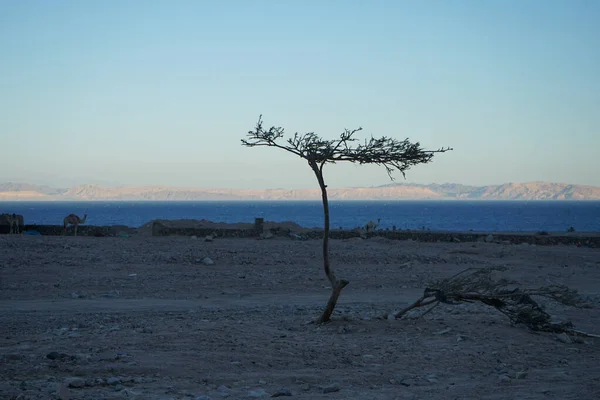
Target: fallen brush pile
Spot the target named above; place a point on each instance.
(479, 285)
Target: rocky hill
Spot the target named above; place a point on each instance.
(447, 191)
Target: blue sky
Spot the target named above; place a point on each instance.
(161, 92)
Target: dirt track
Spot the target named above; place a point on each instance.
(179, 329)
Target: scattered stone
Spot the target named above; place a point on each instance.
(444, 331)
(98, 382)
(113, 380)
(129, 394)
(305, 387)
(223, 389)
(209, 238)
(489, 238)
(461, 338)
(112, 294)
(256, 394)
(75, 382)
(282, 392)
(194, 237)
(207, 261)
(521, 375)
(266, 235)
(504, 378)
(407, 381)
(236, 363)
(331, 388)
(74, 335)
(54, 355)
(431, 378)
(455, 239)
(63, 393)
(563, 337)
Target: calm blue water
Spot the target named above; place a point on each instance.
(435, 215)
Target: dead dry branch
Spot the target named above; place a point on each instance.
(479, 285)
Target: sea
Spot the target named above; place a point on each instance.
(463, 215)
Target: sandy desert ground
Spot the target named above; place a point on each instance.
(143, 318)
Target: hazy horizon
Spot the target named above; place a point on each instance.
(332, 185)
(151, 93)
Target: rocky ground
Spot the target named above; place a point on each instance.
(151, 318)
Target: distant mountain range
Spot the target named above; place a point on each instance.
(394, 191)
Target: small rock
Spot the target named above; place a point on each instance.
(236, 363)
(75, 382)
(266, 235)
(54, 355)
(334, 387)
(521, 375)
(407, 382)
(444, 331)
(63, 393)
(431, 378)
(113, 380)
(74, 335)
(489, 238)
(194, 237)
(223, 389)
(282, 392)
(305, 387)
(207, 261)
(98, 382)
(504, 378)
(256, 394)
(209, 238)
(202, 397)
(563, 337)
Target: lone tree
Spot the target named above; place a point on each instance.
(390, 153)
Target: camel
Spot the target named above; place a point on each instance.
(371, 226)
(73, 219)
(13, 222)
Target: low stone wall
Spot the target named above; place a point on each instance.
(82, 230)
(159, 229)
(420, 236)
(431, 237)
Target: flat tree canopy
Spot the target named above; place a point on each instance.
(393, 154)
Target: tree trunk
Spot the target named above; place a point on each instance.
(336, 285)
